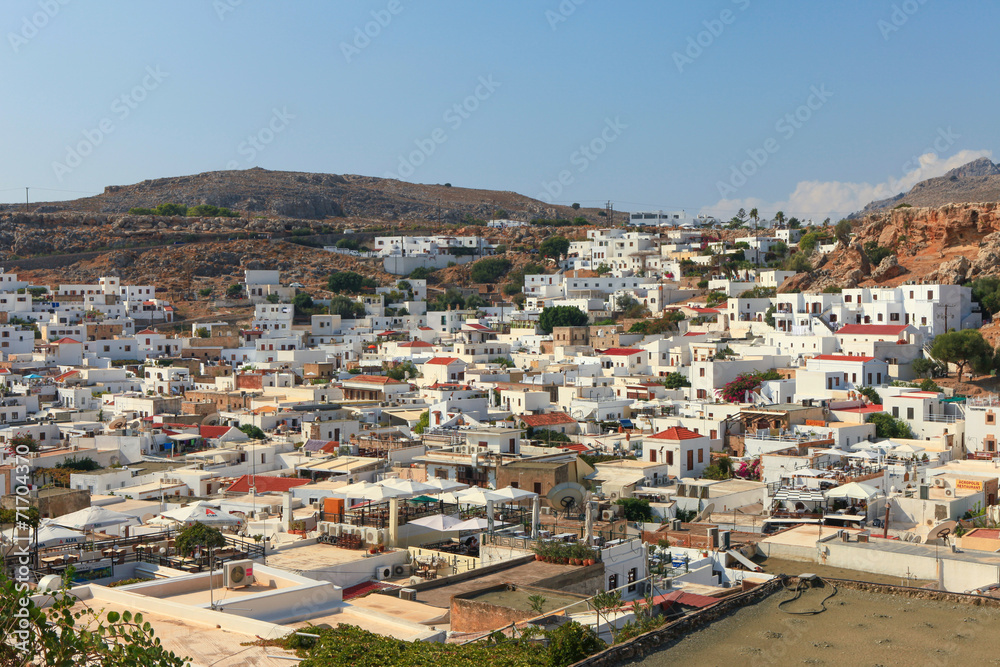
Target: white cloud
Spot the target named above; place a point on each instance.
(817, 200)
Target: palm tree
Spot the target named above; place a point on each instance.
(779, 217)
(754, 217)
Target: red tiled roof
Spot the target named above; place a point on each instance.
(676, 433)
(695, 333)
(548, 419)
(146, 331)
(425, 329)
(416, 343)
(454, 386)
(863, 410)
(372, 379)
(576, 447)
(66, 340)
(477, 327)
(872, 329)
(442, 361)
(704, 310)
(621, 351)
(265, 484)
(842, 357)
(60, 378)
(213, 431)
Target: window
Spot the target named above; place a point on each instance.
(701, 372)
(538, 488)
(670, 457)
(690, 460)
(909, 413)
(991, 418)
(652, 456)
(895, 411)
(631, 579)
(612, 582)
(701, 456)
(930, 294)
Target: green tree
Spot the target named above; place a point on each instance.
(964, 348)
(754, 216)
(346, 307)
(769, 315)
(205, 292)
(798, 263)
(842, 231)
(572, 642)
(675, 381)
(779, 217)
(490, 269)
(69, 632)
(170, 209)
(399, 371)
(272, 298)
(303, 303)
(253, 432)
(987, 292)
(234, 291)
(348, 282)
(554, 247)
(871, 395)
(887, 426)
(423, 423)
(421, 273)
(198, 535)
(202, 332)
(924, 367)
(561, 316)
(548, 436)
(635, 509)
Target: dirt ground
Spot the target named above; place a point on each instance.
(858, 628)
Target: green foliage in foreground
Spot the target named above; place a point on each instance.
(70, 633)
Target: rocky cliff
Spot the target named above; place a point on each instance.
(978, 180)
(948, 244)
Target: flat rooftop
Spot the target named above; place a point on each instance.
(856, 628)
(302, 560)
(523, 575)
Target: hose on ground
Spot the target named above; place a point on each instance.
(800, 587)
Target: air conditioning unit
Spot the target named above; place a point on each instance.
(407, 594)
(948, 492)
(938, 482)
(607, 515)
(237, 574)
(383, 572)
(398, 570)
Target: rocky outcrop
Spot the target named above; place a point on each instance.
(887, 269)
(952, 272)
(978, 180)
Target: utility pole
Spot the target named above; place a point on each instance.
(26, 200)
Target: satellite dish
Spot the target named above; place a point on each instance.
(211, 420)
(942, 530)
(705, 513)
(566, 496)
(117, 424)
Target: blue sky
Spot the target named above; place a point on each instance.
(814, 108)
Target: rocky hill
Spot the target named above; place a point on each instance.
(288, 194)
(975, 181)
(948, 244)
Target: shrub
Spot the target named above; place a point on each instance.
(348, 282)
(488, 270)
(561, 316)
(887, 426)
(635, 509)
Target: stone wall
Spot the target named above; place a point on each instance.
(661, 638)
(583, 580)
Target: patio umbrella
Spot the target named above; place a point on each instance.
(854, 491)
(51, 536)
(512, 495)
(354, 490)
(94, 518)
(199, 512)
(478, 496)
(866, 455)
(833, 451)
(478, 523)
(807, 472)
(423, 499)
(439, 522)
(376, 493)
(408, 485)
(907, 449)
(445, 484)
